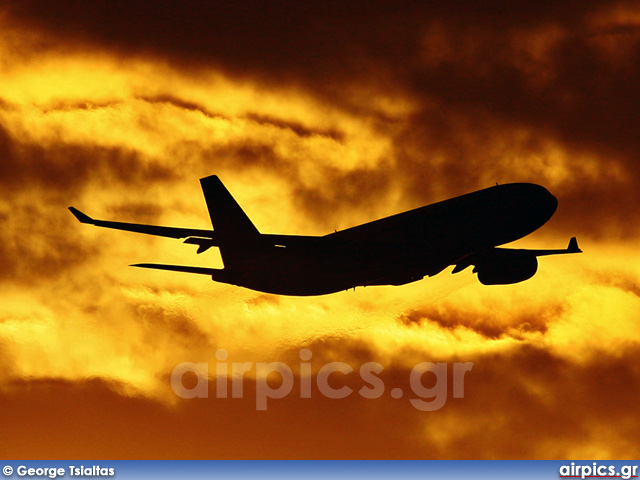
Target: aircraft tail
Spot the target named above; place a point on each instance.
(229, 221)
(226, 215)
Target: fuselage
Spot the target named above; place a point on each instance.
(394, 250)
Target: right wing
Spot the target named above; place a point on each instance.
(482, 256)
(571, 248)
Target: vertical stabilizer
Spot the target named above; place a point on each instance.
(226, 215)
(229, 222)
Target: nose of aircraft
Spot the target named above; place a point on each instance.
(548, 202)
(540, 202)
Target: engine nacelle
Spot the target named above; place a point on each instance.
(506, 267)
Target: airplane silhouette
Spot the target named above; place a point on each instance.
(395, 250)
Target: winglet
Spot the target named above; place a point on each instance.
(573, 246)
(81, 216)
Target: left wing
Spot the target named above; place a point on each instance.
(205, 239)
(172, 232)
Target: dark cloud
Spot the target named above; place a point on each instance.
(490, 326)
(335, 193)
(182, 104)
(64, 169)
(65, 106)
(559, 403)
(172, 324)
(39, 237)
(602, 209)
(141, 211)
(362, 189)
(324, 46)
(490, 71)
(38, 243)
(625, 281)
(282, 39)
(528, 404)
(295, 127)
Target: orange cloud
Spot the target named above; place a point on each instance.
(338, 119)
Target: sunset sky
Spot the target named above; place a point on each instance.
(316, 117)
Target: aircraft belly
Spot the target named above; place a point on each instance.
(298, 273)
(294, 273)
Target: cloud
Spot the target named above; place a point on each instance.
(317, 118)
(489, 326)
(497, 95)
(560, 405)
(69, 166)
(526, 404)
(39, 182)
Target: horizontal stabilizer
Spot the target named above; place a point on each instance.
(204, 244)
(179, 268)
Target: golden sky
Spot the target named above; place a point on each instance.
(316, 118)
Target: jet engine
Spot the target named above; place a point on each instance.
(506, 267)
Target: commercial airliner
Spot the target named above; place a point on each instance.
(463, 231)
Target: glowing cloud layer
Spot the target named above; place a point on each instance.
(316, 119)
